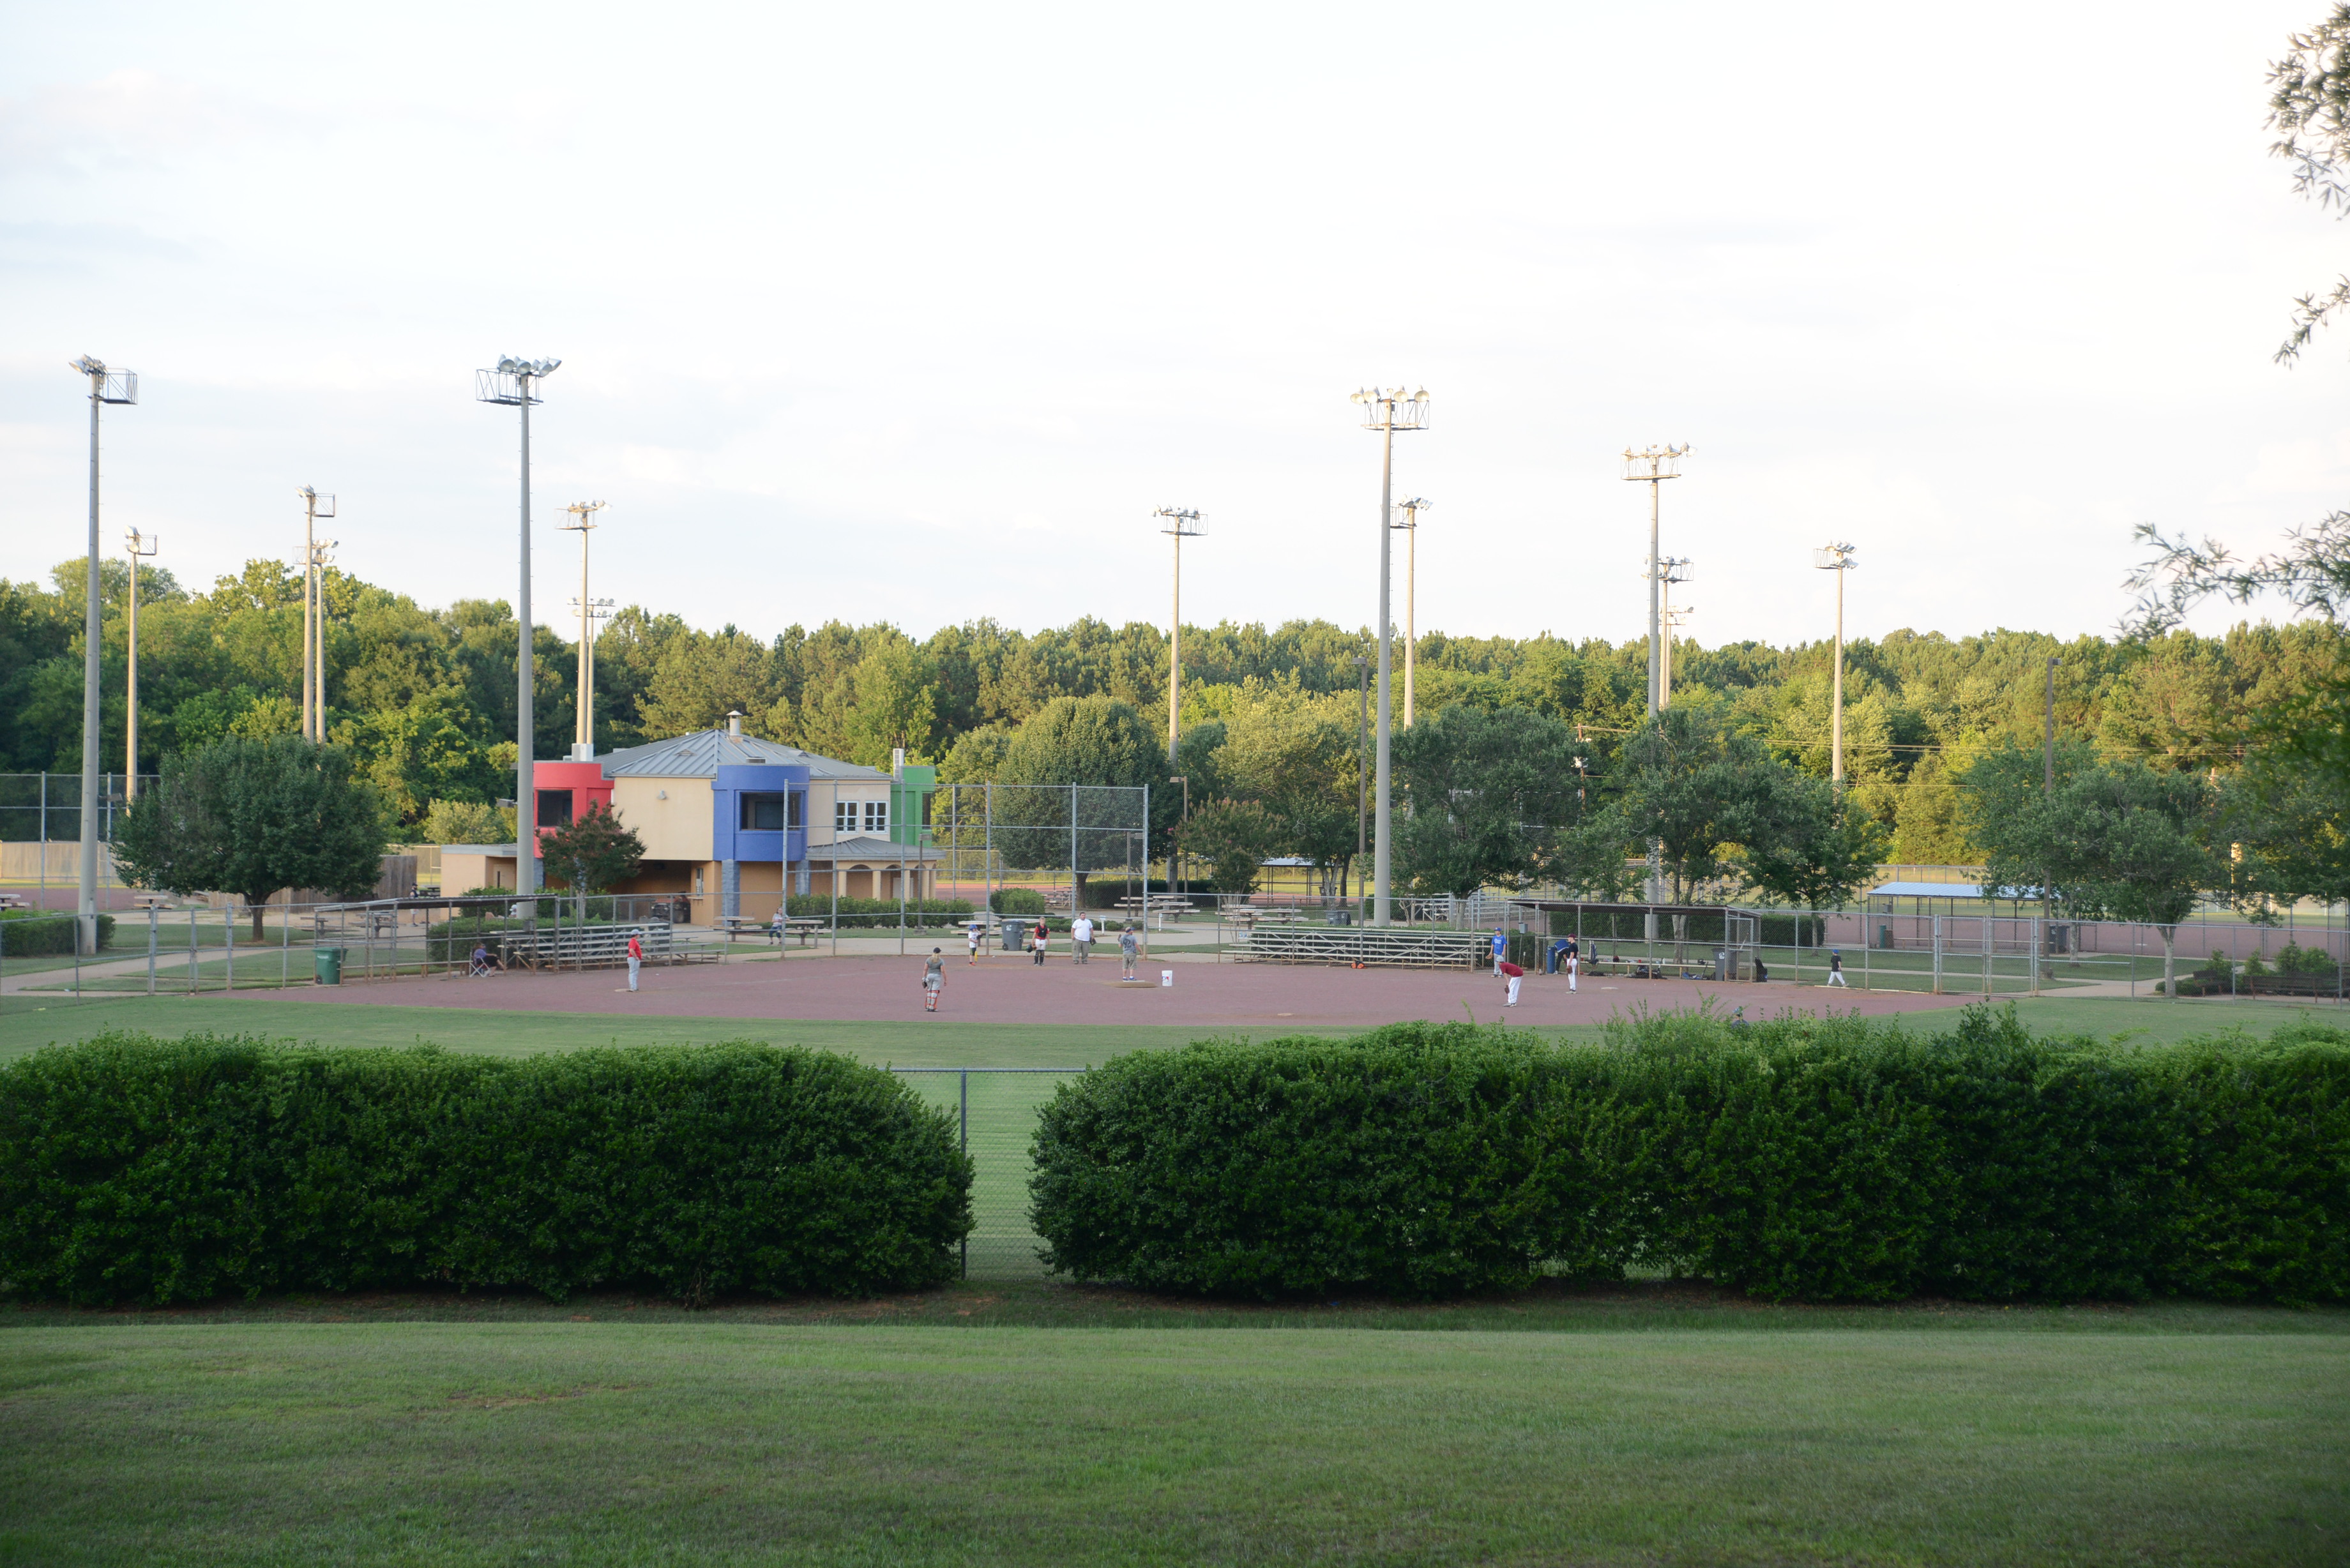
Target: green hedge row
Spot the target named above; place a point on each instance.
(37, 933)
(1798, 1159)
(139, 1170)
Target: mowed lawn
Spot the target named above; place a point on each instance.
(30, 1021)
(723, 1441)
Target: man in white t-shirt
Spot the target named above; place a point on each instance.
(1081, 935)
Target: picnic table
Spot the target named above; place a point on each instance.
(804, 926)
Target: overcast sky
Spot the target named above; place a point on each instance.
(917, 313)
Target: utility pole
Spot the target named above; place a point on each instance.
(583, 738)
(1676, 570)
(1386, 412)
(1837, 559)
(1412, 510)
(138, 547)
(510, 383)
(314, 612)
(1652, 466)
(105, 386)
(1180, 526)
(2048, 790)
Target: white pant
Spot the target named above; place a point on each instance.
(1835, 977)
(634, 964)
(1513, 991)
(1572, 966)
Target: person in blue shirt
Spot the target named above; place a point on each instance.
(1500, 945)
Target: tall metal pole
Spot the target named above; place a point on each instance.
(1175, 652)
(1652, 466)
(525, 782)
(1388, 411)
(1655, 610)
(1836, 723)
(583, 726)
(1837, 559)
(139, 548)
(87, 907)
(309, 611)
(1176, 522)
(1383, 825)
(1411, 525)
(2047, 789)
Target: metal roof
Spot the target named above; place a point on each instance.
(700, 754)
(1927, 890)
(882, 850)
(1951, 890)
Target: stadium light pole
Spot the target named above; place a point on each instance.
(1362, 758)
(1652, 466)
(138, 547)
(1837, 559)
(1412, 510)
(1180, 526)
(1677, 570)
(105, 386)
(1386, 412)
(510, 383)
(583, 737)
(314, 613)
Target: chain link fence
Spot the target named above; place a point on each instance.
(995, 1116)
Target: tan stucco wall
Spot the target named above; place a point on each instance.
(677, 829)
(460, 872)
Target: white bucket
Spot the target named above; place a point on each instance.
(1166, 977)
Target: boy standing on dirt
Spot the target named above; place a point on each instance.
(1081, 935)
(636, 959)
(1572, 963)
(1836, 967)
(972, 936)
(1128, 946)
(1514, 975)
(934, 979)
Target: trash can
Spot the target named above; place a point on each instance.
(327, 964)
(1723, 966)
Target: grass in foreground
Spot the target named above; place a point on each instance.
(730, 1441)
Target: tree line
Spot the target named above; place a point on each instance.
(422, 699)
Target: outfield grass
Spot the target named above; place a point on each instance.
(718, 1442)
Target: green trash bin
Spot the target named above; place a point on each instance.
(327, 963)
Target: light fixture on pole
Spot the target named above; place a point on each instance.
(1676, 570)
(1180, 526)
(105, 386)
(314, 612)
(138, 547)
(1386, 412)
(510, 383)
(583, 738)
(1412, 510)
(1652, 466)
(1837, 559)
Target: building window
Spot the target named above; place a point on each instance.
(763, 812)
(798, 817)
(555, 808)
(844, 817)
(877, 816)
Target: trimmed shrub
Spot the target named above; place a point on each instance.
(1016, 902)
(138, 1169)
(1795, 1158)
(37, 933)
(1420, 1159)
